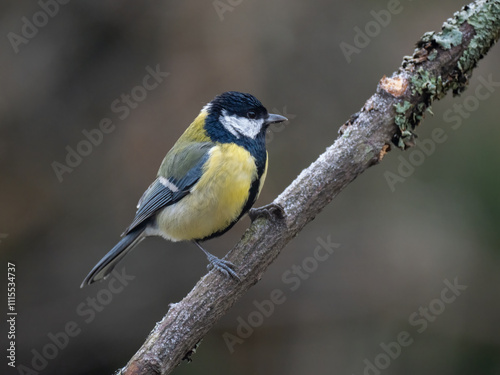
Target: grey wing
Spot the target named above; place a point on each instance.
(164, 192)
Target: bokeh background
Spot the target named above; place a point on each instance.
(397, 246)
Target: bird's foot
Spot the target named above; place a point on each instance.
(224, 266)
(269, 211)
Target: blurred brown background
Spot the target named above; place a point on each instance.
(397, 246)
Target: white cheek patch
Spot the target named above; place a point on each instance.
(239, 126)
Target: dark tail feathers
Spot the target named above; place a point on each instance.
(106, 264)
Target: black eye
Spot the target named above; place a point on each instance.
(251, 114)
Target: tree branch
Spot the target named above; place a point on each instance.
(441, 62)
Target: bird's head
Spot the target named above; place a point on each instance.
(238, 117)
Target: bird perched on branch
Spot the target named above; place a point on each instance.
(208, 180)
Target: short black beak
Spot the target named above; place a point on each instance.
(273, 119)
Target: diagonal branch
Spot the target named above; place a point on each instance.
(441, 62)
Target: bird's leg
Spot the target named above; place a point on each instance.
(224, 266)
(270, 211)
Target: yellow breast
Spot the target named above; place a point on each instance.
(216, 200)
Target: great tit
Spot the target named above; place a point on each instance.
(208, 180)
